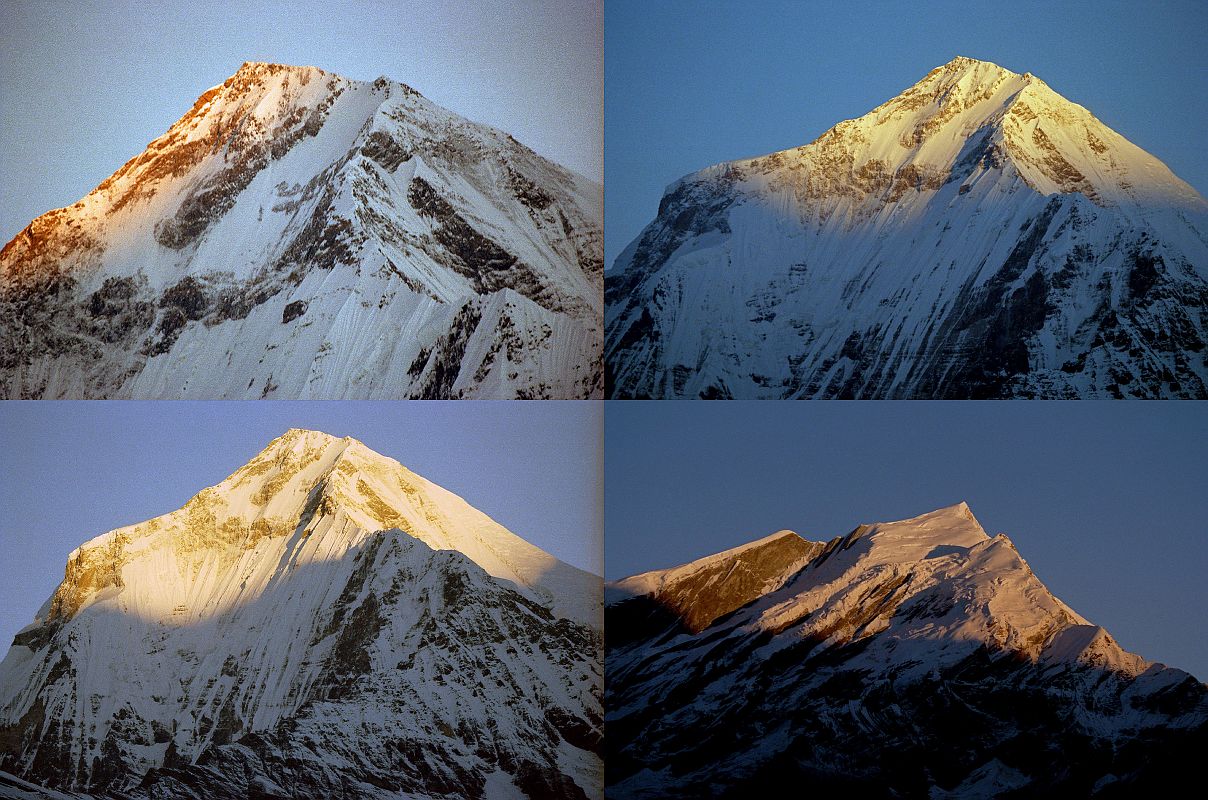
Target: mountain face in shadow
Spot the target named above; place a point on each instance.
(976, 236)
(324, 622)
(919, 658)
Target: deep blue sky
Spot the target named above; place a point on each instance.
(74, 470)
(690, 84)
(1104, 500)
(84, 86)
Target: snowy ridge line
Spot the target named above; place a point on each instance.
(654, 580)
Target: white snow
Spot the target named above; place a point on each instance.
(975, 591)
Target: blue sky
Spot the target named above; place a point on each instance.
(84, 86)
(74, 470)
(1104, 500)
(690, 84)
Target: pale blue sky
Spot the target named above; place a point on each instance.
(84, 86)
(688, 84)
(74, 470)
(1105, 500)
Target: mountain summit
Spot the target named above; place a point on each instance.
(324, 622)
(976, 236)
(919, 658)
(300, 235)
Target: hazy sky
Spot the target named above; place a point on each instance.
(74, 470)
(690, 84)
(84, 86)
(1104, 500)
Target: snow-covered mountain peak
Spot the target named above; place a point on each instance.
(962, 121)
(271, 67)
(908, 641)
(976, 236)
(952, 525)
(307, 497)
(300, 234)
(323, 589)
(253, 77)
(303, 439)
(921, 562)
(964, 75)
(969, 115)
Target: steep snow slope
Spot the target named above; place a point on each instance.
(301, 235)
(323, 621)
(921, 657)
(976, 236)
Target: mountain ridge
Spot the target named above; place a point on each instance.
(309, 471)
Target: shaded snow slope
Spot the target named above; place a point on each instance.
(976, 236)
(906, 656)
(301, 235)
(324, 607)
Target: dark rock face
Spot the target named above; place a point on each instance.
(488, 266)
(442, 364)
(698, 599)
(292, 311)
(385, 150)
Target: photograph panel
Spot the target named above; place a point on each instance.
(281, 608)
(384, 200)
(905, 599)
(947, 201)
